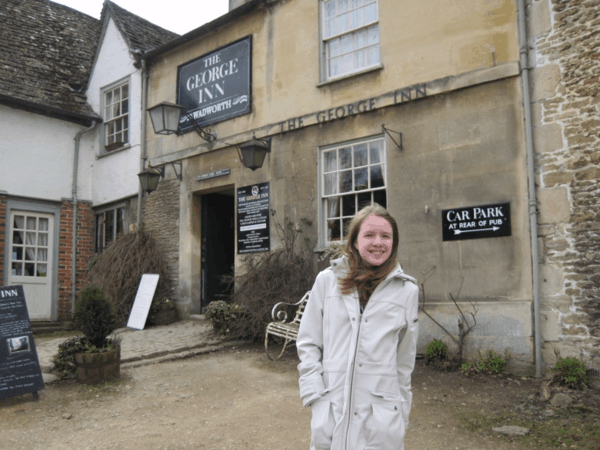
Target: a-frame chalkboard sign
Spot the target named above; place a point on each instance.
(20, 371)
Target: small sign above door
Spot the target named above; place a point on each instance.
(476, 222)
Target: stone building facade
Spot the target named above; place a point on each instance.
(565, 38)
(449, 83)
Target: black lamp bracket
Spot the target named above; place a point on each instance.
(388, 131)
(161, 169)
(205, 133)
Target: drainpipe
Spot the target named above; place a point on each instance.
(143, 138)
(74, 197)
(524, 58)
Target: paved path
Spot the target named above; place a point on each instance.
(155, 344)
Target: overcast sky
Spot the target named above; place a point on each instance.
(179, 16)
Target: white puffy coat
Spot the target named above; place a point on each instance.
(355, 371)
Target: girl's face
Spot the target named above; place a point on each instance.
(375, 240)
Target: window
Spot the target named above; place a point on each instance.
(116, 117)
(30, 245)
(109, 225)
(353, 176)
(350, 36)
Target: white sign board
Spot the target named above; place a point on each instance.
(142, 302)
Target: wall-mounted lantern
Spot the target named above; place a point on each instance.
(253, 152)
(165, 120)
(165, 117)
(150, 176)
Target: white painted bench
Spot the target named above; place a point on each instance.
(280, 327)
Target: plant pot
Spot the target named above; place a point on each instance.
(96, 367)
(165, 317)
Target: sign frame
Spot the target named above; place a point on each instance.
(212, 64)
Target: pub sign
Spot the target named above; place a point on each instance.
(476, 222)
(216, 86)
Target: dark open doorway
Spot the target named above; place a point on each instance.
(218, 244)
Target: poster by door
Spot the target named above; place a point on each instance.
(20, 371)
(253, 218)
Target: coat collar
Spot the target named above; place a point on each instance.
(341, 267)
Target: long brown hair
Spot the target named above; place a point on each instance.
(361, 277)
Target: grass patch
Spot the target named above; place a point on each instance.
(575, 428)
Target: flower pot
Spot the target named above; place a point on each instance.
(96, 367)
(165, 316)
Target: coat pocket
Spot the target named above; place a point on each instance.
(322, 424)
(384, 428)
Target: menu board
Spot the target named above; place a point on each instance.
(253, 218)
(20, 371)
(142, 302)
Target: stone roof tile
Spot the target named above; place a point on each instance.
(46, 53)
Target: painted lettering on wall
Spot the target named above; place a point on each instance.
(400, 96)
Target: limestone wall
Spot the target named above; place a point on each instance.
(566, 109)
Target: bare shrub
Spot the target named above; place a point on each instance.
(265, 279)
(119, 269)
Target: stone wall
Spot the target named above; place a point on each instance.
(565, 36)
(161, 219)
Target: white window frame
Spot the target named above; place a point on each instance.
(100, 225)
(111, 137)
(356, 30)
(378, 193)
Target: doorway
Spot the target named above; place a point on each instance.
(31, 249)
(218, 245)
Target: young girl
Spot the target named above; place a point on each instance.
(357, 342)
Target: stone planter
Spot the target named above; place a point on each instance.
(96, 367)
(165, 317)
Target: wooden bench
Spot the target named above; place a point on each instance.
(280, 327)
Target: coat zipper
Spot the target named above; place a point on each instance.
(352, 377)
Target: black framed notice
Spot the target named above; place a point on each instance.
(476, 222)
(20, 371)
(216, 86)
(253, 218)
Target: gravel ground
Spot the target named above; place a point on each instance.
(233, 399)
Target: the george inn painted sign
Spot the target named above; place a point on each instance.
(215, 86)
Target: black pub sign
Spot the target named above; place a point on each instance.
(216, 86)
(20, 371)
(253, 218)
(476, 222)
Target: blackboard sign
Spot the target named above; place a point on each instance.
(253, 218)
(216, 86)
(476, 222)
(20, 371)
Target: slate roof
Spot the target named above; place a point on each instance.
(47, 52)
(139, 33)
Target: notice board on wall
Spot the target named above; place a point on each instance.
(20, 371)
(253, 218)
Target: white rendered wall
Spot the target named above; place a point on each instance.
(36, 156)
(114, 176)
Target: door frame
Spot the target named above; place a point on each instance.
(35, 206)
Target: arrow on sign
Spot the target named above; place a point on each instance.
(471, 231)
